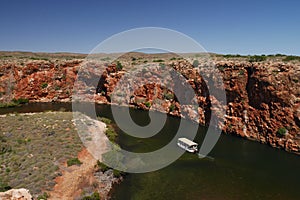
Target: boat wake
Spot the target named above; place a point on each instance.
(201, 156)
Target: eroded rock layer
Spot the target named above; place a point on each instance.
(263, 99)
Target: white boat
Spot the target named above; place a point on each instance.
(187, 145)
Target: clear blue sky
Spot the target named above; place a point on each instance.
(224, 26)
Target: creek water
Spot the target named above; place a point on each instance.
(235, 169)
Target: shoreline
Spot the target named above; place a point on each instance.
(68, 101)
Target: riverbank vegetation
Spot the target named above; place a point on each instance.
(14, 102)
(110, 129)
(103, 167)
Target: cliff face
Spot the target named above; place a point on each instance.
(263, 103)
(38, 81)
(263, 99)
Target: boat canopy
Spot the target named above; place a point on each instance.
(187, 141)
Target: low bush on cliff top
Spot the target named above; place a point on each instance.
(73, 161)
(44, 196)
(169, 96)
(44, 85)
(290, 58)
(4, 186)
(39, 58)
(148, 104)
(158, 60)
(232, 56)
(119, 66)
(195, 63)
(257, 58)
(162, 66)
(172, 107)
(282, 131)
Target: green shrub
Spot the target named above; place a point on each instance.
(4, 187)
(148, 104)
(39, 58)
(8, 105)
(44, 85)
(94, 196)
(105, 120)
(231, 56)
(106, 59)
(290, 58)
(162, 65)
(73, 161)
(20, 101)
(117, 173)
(169, 96)
(172, 107)
(13, 103)
(196, 63)
(295, 80)
(257, 58)
(5, 148)
(158, 60)
(282, 131)
(103, 167)
(111, 134)
(119, 66)
(44, 196)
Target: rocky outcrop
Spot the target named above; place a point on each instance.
(16, 194)
(262, 98)
(41, 81)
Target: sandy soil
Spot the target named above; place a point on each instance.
(74, 178)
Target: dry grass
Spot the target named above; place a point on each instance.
(33, 146)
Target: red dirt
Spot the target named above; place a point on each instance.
(74, 178)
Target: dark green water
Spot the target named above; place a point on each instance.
(238, 169)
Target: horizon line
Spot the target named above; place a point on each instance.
(80, 53)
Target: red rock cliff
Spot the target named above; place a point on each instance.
(263, 99)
